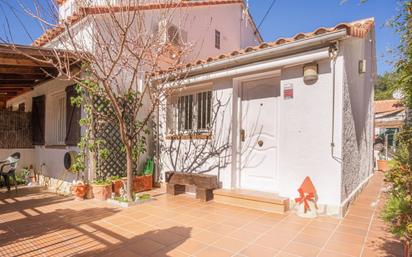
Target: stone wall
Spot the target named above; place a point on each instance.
(15, 129)
(357, 155)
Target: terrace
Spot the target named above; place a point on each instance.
(38, 223)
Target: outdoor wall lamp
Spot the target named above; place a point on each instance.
(310, 73)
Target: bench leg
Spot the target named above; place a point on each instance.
(173, 189)
(204, 194)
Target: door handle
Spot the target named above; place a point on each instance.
(242, 135)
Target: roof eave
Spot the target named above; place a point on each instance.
(264, 54)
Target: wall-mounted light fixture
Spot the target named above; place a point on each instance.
(310, 73)
(362, 66)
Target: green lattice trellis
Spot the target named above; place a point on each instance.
(108, 131)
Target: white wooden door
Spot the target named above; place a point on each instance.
(258, 134)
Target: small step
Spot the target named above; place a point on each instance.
(262, 201)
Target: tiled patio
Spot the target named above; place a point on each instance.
(43, 224)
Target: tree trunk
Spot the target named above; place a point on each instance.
(129, 173)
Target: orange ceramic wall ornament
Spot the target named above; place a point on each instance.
(307, 193)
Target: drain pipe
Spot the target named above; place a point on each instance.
(333, 54)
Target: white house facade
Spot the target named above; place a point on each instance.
(264, 118)
(213, 27)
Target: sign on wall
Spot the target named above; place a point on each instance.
(288, 91)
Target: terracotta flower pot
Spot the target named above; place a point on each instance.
(79, 191)
(383, 165)
(117, 185)
(102, 192)
(142, 183)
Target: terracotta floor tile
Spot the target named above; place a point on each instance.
(351, 230)
(213, 252)
(327, 253)
(169, 252)
(221, 229)
(356, 224)
(289, 226)
(300, 249)
(144, 247)
(182, 226)
(285, 254)
(230, 244)
(190, 246)
(317, 241)
(165, 237)
(244, 235)
(322, 225)
(388, 246)
(317, 232)
(236, 222)
(274, 242)
(347, 238)
(257, 227)
(258, 251)
(340, 247)
(356, 218)
(207, 237)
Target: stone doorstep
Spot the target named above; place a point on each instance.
(252, 199)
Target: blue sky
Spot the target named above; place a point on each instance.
(287, 18)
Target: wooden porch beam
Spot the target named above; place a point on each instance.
(20, 83)
(24, 70)
(22, 62)
(12, 77)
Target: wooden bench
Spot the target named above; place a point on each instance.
(177, 182)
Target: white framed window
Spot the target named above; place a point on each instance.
(56, 129)
(190, 112)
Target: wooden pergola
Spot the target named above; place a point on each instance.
(24, 67)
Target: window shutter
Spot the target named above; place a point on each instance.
(73, 114)
(38, 119)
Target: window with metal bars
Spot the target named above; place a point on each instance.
(190, 113)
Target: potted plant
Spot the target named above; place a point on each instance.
(25, 175)
(144, 181)
(79, 189)
(382, 162)
(117, 184)
(102, 189)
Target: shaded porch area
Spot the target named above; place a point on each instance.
(37, 223)
(24, 67)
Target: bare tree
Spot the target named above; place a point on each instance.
(112, 51)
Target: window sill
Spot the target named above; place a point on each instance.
(189, 136)
(56, 146)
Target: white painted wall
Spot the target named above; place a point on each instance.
(26, 157)
(305, 132)
(52, 158)
(200, 23)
